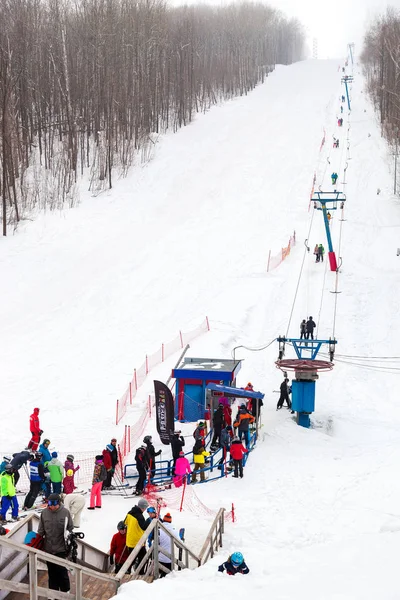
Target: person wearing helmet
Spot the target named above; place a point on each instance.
(36, 476)
(151, 453)
(68, 482)
(118, 551)
(8, 495)
(234, 564)
(69, 466)
(6, 460)
(141, 465)
(36, 432)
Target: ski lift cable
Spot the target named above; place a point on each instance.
(299, 278)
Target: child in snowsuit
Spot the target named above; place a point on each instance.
(182, 468)
(234, 564)
(237, 452)
(99, 475)
(68, 482)
(199, 454)
(118, 550)
(69, 464)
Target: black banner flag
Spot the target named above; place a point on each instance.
(164, 411)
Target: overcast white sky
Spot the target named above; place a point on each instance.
(334, 23)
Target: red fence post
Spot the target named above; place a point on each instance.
(116, 416)
(233, 513)
(135, 378)
(208, 324)
(183, 494)
(129, 437)
(147, 365)
(130, 392)
(150, 406)
(180, 335)
(125, 440)
(121, 464)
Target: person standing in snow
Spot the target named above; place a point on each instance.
(284, 397)
(151, 453)
(218, 424)
(36, 432)
(44, 450)
(310, 328)
(56, 471)
(142, 466)
(303, 329)
(316, 253)
(243, 422)
(234, 564)
(136, 525)
(99, 475)
(18, 460)
(8, 493)
(69, 466)
(36, 476)
(165, 545)
(182, 469)
(199, 455)
(177, 444)
(118, 551)
(55, 520)
(111, 462)
(321, 251)
(68, 482)
(237, 451)
(75, 503)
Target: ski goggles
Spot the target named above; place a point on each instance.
(53, 502)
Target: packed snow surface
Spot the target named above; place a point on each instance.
(87, 292)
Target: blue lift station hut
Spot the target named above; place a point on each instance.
(192, 377)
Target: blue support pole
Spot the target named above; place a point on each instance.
(327, 229)
(347, 94)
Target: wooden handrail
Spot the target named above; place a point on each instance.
(217, 527)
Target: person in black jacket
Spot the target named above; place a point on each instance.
(177, 443)
(141, 465)
(218, 425)
(19, 459)
(284, 395)
(310, 328)
(151, 453)
(111, 448)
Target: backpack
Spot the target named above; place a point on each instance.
(34, 540)
(103, 473)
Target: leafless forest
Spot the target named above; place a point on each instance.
(89, 84)
(381, 62)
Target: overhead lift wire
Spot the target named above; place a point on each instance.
(301, 271)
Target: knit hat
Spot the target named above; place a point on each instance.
(99, 457)
(143, 503)
(70, 472)
(181, 453)
(54, 498)
(54, 455)
(167, 518)
(121, 525)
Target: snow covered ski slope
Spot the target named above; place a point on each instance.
(87, 292)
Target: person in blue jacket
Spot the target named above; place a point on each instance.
(44, 449)
(6, 461)
(234, 564)
(36, 477)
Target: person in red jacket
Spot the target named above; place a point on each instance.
(36, 432)
(68, 482)
(237, 452)
(108, 465)
(118, 550)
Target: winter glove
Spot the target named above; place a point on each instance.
(221, 568)
(111, 559)
(40, 431)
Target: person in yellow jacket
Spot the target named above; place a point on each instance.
(8, 495)
(135, 526)
(199, 456)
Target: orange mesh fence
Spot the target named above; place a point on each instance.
(275, 261)
(151, 361)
